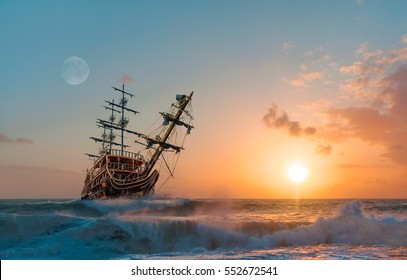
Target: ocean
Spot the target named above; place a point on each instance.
(181, 228)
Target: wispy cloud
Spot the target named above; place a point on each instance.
(126, 79)
(324, 148)
(288, 45)
(304, 79)
(326, 57)
(362, 48)
(358, 166)
(315, 51)
(5, 139)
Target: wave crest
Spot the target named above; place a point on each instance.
(109, 229)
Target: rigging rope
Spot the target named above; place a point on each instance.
(171, 173)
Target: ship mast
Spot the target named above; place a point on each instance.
(174, 120)
(123, 121)
(112, 118)
(111, 125)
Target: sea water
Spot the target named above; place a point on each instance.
(180, 228)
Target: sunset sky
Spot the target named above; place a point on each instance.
(322, 84)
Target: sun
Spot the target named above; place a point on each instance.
(297, 172)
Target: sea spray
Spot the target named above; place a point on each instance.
(166, 227)
(349, 226)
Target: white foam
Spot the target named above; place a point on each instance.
(123, 230)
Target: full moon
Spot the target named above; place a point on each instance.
(75, 70)
(297, 173)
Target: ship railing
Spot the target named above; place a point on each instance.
(137, 156)
(123, 166)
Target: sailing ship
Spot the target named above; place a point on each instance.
(120, 171)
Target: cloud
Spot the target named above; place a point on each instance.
(304, 78)
(308, 53)
(326, 57)
(377, 112)
(315, 51)
(311, 76)
(324, 148)
(288, 45)
(374, 105)
(371, 106)
(5, 139)
(362, 48)
(367, 73)
(278, 118)
(126, 79)
(358, 166)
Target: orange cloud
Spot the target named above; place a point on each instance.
(378, 115)
(376, 105)
(304, 78)
(126, 79)
(324, 148)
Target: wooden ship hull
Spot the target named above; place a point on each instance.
(118, 176)
(121, 173)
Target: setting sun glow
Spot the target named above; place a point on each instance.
(297, 173)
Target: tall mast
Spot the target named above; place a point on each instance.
(112, 118)
(111, 125)
(167, 134)
(123, 122)
(121, 102)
